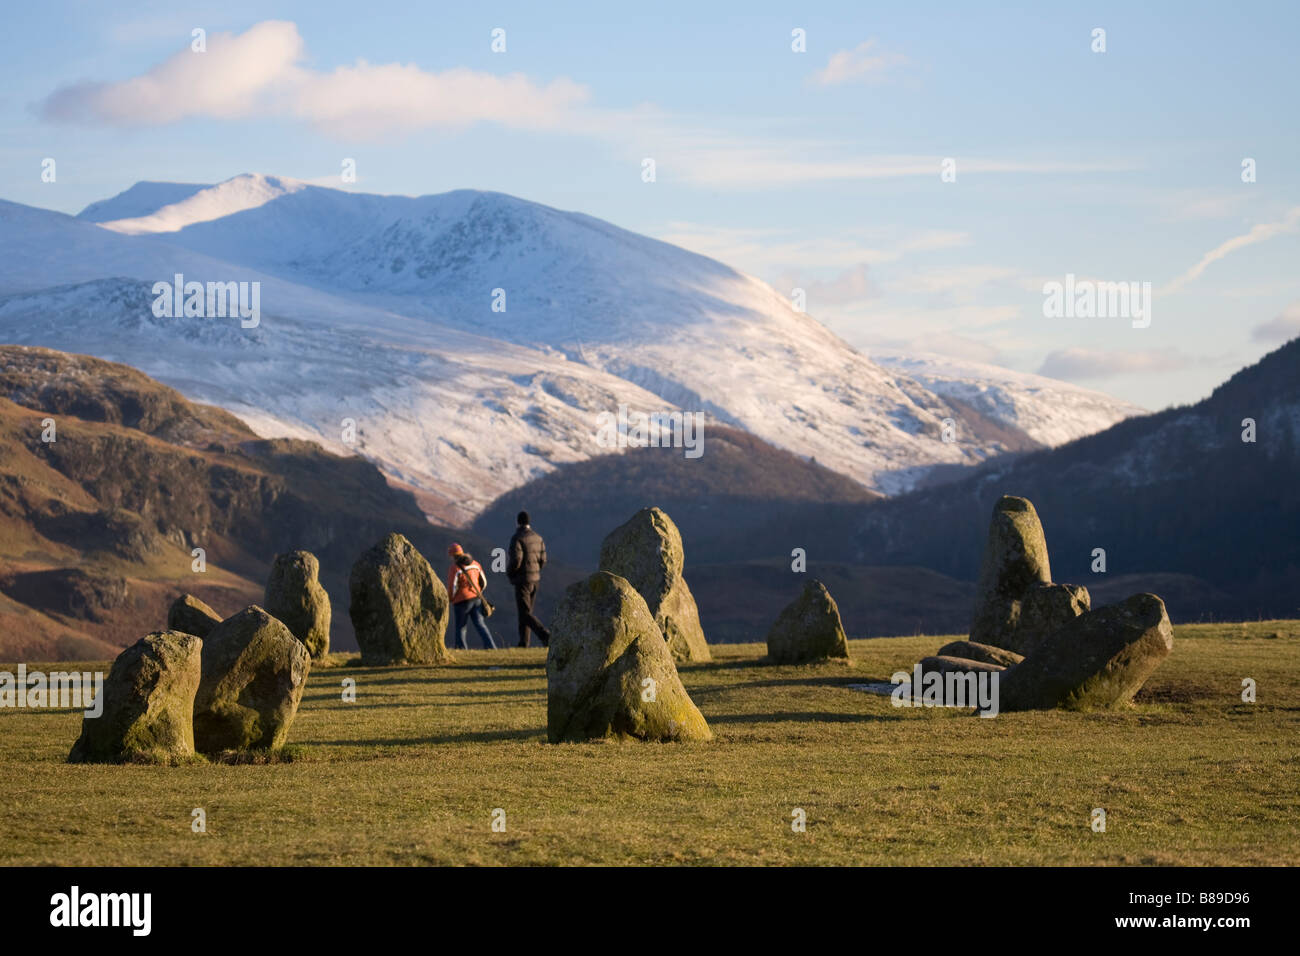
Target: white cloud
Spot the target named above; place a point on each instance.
(851, 285)
(1281, 328)
(767, 251)
(862, 62)
(1073, 364)
(258, 73)
(1259, 233)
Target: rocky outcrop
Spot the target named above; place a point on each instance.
(809, 629)
(189, 615)
(148, 705)
(399, 607)
(1098, 660)
(647, 552)
(609, 672)
(295, 596)
(253, 676)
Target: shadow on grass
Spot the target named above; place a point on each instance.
(467, 737)
(802, 717)
(838, 680)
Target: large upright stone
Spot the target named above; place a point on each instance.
(295, 596)
(148, 705)
(189, 615)
(809, 629)
(1098, 660)
(254, 673)
(647, 552)
(609, 672)
(399, 606)
(1044, 610)
(1015, 559)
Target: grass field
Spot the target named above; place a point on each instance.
(412, 771)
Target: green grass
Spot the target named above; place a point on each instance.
(411, 773)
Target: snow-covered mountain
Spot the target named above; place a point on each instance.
(380, 309)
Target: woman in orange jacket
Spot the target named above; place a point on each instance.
(465, 584)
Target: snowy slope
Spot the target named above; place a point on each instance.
(1049, 411)
(379, 308)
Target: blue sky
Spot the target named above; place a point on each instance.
(818, 169)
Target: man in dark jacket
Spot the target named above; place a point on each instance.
(524, 569)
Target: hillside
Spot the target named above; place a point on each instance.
(1177, 494)
(473, 337)
(97, 527)
(742, 498)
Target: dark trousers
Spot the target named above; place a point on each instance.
(525, 595)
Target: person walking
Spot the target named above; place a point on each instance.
(465, 584)
(524, 565)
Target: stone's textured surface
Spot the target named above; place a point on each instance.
(809, 629)
(1015, 559)
(254, 673)
(960, 665)
(399, 607)
(609, 672)
(647, 552)
(189, 615)
(984, 653)
(295, 596)
(1098, 660)
(148, 706)
(1044, 610)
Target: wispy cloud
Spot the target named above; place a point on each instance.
(864, 61)
(1283, 327)
(1259, 233)
(1073, 364)
(258, 73)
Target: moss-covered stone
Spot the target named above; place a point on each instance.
(647, 551)
(609, 672)
(947, 664)
(1015, 559)
(1044, 610)
(148, 704)
(399, 607)
(809, 629)
(189, 615)
(1099, 660)
(984, 653)
(295, 596)
(253, 676)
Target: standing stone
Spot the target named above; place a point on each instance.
(1015, 559)
(399, 607)
(189, 615)
(1098, 660)
(809, 629)
(609, 672)
(148, 705)
(254, 673)
(295, 596)
(1046, 609)
(647, 552)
